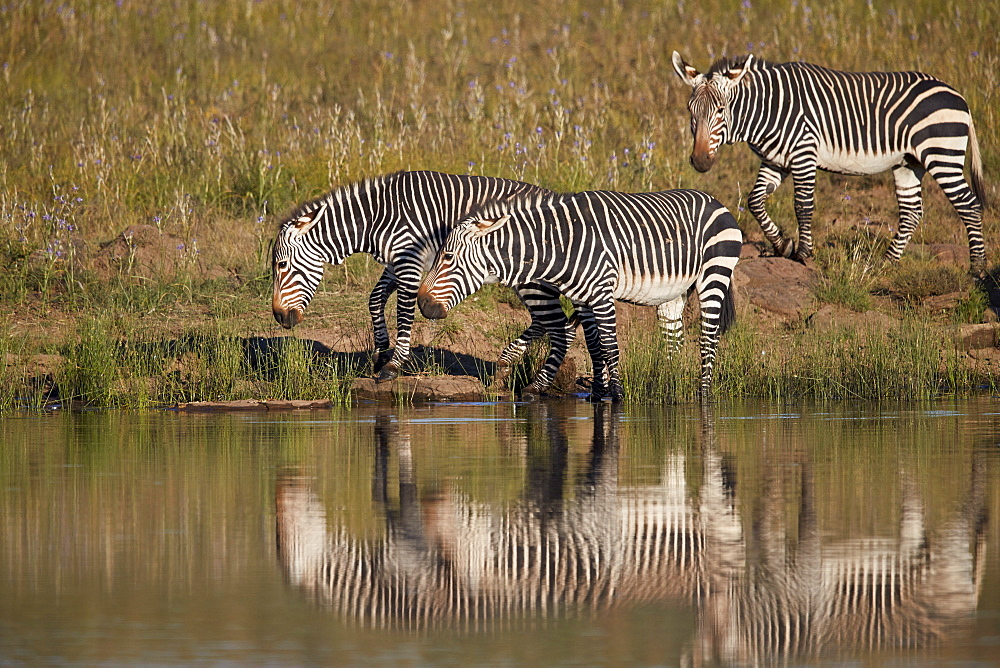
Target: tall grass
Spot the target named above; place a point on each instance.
(910, 361)
(111, 365)
(207, 120)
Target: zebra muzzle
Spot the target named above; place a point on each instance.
(287, 318)
(702, 161)
(429, 306)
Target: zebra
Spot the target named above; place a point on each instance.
(798, 117)
(595, 247)
(402, 219)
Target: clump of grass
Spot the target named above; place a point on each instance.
(972, 308)
(110, 367)
(650, 371)
(903, 362)
(917, 277)
(851, 268)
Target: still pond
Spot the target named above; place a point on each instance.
(543, 533)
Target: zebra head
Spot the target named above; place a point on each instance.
(711, 116)
(461, 267)
(297, 267)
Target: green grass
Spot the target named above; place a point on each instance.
(115, 365)
(910, 361)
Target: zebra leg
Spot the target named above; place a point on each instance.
(952, 181)
(513, 353)
(406, 302)
(671, 317)
(547, 316)
(804, 180)
(592, 335)
(907, 177)
(383, 289)
(711, 300)
(768, 180)
(604, 316)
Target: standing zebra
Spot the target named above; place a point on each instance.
(595, 247)
(401, 220)
(798, 117)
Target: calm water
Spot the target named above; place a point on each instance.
(503, 533)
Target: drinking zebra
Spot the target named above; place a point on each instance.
(401, 220)
(798, 118)
(596, 247)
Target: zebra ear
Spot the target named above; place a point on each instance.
(306, 221)
(688, 74)
(485, 225)
(735, 74)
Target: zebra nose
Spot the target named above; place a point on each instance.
(287, 318)
(702, 162)
(429, 306)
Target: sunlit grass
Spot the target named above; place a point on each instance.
(207, 121)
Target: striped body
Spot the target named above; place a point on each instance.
(401, 220)
(596, 247)
(798, 118)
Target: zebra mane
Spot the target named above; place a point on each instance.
(518, 202)
(726, 63)
(331, 195)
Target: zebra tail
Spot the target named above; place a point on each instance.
(978, 186)
(727, 317)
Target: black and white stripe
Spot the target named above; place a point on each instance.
(401, 220)
(596, 247)
(798, 118)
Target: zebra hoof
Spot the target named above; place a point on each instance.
(499, 381)
(977, 268)
(381, 359)
(389, 372)
(532, 392)
(784, 248)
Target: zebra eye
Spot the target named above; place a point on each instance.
(282, 264)
(449, 256)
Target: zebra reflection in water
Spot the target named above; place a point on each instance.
(759, 590)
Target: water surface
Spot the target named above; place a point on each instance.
(552, 532)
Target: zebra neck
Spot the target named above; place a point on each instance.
(750, 106)
(356, 219)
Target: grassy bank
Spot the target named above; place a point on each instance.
(202, 122)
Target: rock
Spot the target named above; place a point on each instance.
(565, 380)
(829, 318)
(945, 302)
(775, 284)
(416, 389)
(749, 251)
(253, 405)
(949, 253)
(975, 337)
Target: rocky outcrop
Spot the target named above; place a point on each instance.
(775, 284)
(416, 389)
